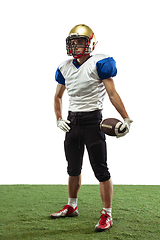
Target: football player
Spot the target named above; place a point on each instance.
(87, 78)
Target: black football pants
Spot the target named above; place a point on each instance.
(85, 131)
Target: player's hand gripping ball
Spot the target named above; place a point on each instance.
(114, 127)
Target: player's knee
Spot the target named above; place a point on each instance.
(73, 172)
(102, 174)
(103, 178)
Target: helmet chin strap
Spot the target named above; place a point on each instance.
(79, 56)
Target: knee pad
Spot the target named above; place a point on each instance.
(103, 178)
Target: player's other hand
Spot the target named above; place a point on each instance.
(62, 124)
(126, 124)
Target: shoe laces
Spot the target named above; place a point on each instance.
(64, 208)
(103, 217)
(69, 209)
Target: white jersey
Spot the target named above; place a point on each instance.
(84, 83)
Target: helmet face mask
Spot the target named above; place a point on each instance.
(77, 45)
(81, 41)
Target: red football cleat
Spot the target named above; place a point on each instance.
(105, 222)
(67, 211)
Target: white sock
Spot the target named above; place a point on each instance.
(109, 211)
(73, 202)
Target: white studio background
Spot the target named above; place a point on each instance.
(32, 45)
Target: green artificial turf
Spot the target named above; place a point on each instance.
(25, 209)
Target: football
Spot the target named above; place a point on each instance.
(111, 126)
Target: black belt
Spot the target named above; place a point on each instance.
(93, 113)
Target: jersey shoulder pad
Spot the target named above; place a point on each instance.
(98, 57)
(65, 63)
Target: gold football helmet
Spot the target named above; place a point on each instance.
(80, 31)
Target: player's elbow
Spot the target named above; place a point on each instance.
(112, 94)
(57, 99)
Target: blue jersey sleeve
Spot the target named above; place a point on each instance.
(106, 68)
(59, 77)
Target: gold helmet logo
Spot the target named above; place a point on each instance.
(81, 31)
